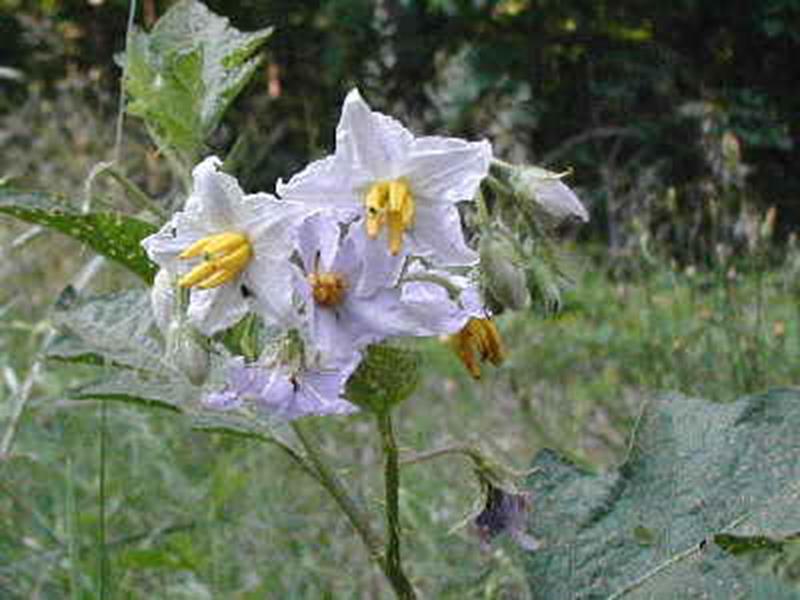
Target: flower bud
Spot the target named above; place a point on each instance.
(504, 280)
(186, 351)
(545, 191)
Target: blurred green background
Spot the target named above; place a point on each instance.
(680, 123)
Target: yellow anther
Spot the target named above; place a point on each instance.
(215, 279)
(375, 201)
(196, 275)
(213, 244)
(225, 255)
(390, 203)
(236, 260)
(478, 337)
(328, 289)
(395, 228)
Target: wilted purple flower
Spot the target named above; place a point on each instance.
(286, 394)
(505, 512)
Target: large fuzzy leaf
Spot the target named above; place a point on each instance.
(182, 76)
(113, 235)
(112, 328)
(116, 334)
(700, 477)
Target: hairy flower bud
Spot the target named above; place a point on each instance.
(547, 193)
(504, 278)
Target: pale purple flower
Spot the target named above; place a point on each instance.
(404, 188)
(231, 249)
(283, 393)
(352, 297)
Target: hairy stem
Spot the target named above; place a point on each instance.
(394, 566)
(328, 478)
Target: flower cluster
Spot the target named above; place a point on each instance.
(363, 245)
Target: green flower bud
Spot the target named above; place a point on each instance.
(386, 376)
(504, 278)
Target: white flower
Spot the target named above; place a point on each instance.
(403, 187)
(231, 249)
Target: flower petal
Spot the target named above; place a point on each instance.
(270, 283)
(372, 140)
(447, 169)
(216, 309)
(437, 234)
(180, 232)
(331, 183)
(379, 268)
(214, 194)
(162, 299)
(318, 242)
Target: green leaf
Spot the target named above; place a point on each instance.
(699, 476)
(113, 235)
(183, 75)
(246, 426)
(766, 555)
(108, 329)
(145, 389)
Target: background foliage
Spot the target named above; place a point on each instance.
(638, 97)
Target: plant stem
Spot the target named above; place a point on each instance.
(394, 567)
(330, 481)
(135, 193)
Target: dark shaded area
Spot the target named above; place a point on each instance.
(679, 119)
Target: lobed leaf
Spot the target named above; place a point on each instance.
(183, 75)
(115, 236)
(699, 475)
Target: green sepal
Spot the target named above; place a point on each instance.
(386, 376)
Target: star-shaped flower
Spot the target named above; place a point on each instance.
(404, 188)
(231, 249)
(352, 295)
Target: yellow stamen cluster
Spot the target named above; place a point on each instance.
(478, 336)
(390, 203)
(225, 255)
(328, 289)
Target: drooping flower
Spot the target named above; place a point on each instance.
(285, 393)
(459, 311)
(478, 341)
(404, 188)
(505, 512)
(230, 249)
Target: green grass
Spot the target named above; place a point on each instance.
(194, 515)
